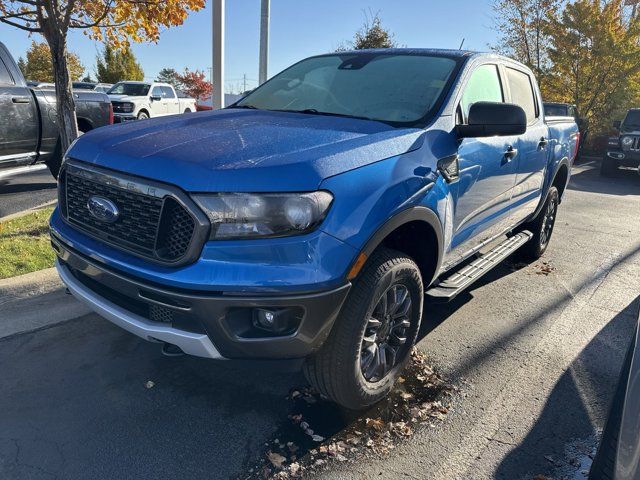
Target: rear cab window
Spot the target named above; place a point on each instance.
(522, 93)
(483, 86)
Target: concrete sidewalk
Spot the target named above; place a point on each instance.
(33, 301)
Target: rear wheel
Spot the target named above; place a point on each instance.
(542, 227)
(608, 166)
(370, 343)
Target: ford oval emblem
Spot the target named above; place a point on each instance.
(103, 209)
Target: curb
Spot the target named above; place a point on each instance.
(35, 301)
(27, 212)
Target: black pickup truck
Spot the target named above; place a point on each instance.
(28, 125)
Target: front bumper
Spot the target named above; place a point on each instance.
(625, 158)
(123, 117)
(205, 324)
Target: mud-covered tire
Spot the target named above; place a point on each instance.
(608, 166)
(539, 226)
(335, 370)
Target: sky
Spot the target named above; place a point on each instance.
(299, 28)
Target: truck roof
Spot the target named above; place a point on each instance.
(439, 52)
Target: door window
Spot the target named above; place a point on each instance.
(157, 92)
(483, 86)
(5, 77)
(522, 92)
(168, 93)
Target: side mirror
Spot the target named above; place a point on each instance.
(490, 119)
(156, 98)
(616, 124)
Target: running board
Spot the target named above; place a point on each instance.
(447, 289)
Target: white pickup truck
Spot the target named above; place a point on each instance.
(141, 100)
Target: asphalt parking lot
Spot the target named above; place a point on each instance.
(534, 350)
(24, 188)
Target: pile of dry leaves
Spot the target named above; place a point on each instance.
(314, 439)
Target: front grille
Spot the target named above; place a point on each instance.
(122, 107)
(636, 143)
(158, 227)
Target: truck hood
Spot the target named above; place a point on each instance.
(125, 98)
(243, 150)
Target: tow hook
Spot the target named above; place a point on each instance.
(171, 350)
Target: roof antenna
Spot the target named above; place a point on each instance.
(461, 43)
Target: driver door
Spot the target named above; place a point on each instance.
(158, 107)
(487, 171)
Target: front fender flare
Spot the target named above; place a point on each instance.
(417, 213)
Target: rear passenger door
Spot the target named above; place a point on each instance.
(533, 146)
(173, 105)
(19, 126)
(487, 172)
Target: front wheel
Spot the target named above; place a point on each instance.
(372, 338)
(542, 227)
(143, 116)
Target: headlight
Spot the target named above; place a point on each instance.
(627, 141)
(247, 215)
(127, 107)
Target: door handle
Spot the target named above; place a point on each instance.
(543, 142)
(510, 153)
(21, 99)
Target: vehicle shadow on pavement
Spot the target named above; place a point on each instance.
(591, 377)
(623, 182)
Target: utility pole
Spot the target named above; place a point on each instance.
(244, 83)
(217, 82)
(264, 41)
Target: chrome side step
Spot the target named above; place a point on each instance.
(448, 288)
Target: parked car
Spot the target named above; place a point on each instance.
(40, 85)
(103, 87)
(623, 149)
(28, 130)
(618, 456)
(83, 85)
(555, 109)
(141, 100)
(308, 219)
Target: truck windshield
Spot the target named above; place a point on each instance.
(400, 89)
(632, 119)
(130, 89)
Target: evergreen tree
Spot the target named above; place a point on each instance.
(115, 65)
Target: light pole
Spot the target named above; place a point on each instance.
(264, 42)
(217, 77)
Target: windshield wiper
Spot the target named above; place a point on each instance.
(249, 107)
(313, 111)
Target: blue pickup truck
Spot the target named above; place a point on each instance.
(310, 219)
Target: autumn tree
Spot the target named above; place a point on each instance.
(195, 84)
(115, 65)
(371, 35)
(170, 76)
(524, 33)
(595, 60)
(116, 21)
(38, 65)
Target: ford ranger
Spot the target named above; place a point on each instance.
(309, 219)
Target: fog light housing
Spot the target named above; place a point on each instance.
(278, 321)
